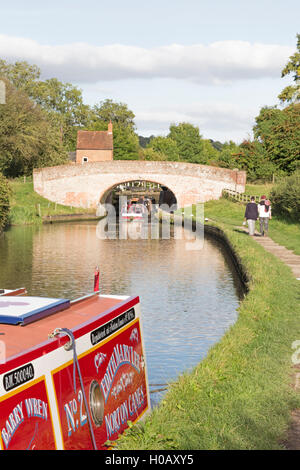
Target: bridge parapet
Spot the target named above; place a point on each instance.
(88, 185)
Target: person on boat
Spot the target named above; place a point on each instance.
(264, 214)
(251, 215)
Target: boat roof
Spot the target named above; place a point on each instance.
(26, 322)
(23, 310)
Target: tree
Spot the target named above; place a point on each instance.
(228, 156)
(117, 113)
(279, 132)
(292, 93)
(126, 144)
(286, 197)
(189, 142)
(126, 140)
(21, 75)
(183, 143)
(28, 139)
(65, 102)
(164, 146)
(209, 153)
(151, 155)
(62, 100)
(254, 159)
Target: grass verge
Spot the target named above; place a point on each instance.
(231, 214)
(259, 189)
(241, 395)
(28, 207)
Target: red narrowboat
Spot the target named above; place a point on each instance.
(73, 374)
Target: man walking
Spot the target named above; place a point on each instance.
(251, 215)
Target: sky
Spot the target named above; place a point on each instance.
(212, 63)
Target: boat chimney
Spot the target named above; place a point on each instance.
(96, 280)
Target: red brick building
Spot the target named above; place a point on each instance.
(95, 146)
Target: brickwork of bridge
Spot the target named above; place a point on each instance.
(89, 185)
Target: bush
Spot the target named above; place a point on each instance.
(4, 202)
(285, 198)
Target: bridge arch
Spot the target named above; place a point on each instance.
(86, 185)
(107, 196)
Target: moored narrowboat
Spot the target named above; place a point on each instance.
(73, 374)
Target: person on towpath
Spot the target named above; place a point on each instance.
(251, 215)
(264, 214)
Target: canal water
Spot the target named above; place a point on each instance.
(188, 298)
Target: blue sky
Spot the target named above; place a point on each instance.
(212, 63)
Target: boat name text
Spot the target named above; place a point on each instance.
(128, 410)
(122, 354)
(34, 408)
(112, 326)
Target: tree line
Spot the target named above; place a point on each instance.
(40, 120)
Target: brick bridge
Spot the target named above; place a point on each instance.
(89, 185)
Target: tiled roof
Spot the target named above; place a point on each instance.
(94, 140)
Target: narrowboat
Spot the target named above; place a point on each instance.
(73, 374)
(134, 210)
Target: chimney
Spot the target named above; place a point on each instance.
(110, 128)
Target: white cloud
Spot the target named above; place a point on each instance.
(214, 120)
(220, 62)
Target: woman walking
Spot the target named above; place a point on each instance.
(264, 214)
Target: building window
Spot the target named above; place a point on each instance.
(85, 160)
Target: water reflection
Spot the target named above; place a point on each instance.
(188, 298)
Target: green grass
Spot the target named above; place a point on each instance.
(225, 211)
(28, 207)
(286, 234)
(259, 189)
(232, 214)
(242, 394)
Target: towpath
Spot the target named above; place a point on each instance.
(293, 261)
(287, 256)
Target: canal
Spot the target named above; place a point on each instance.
(188, 298)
